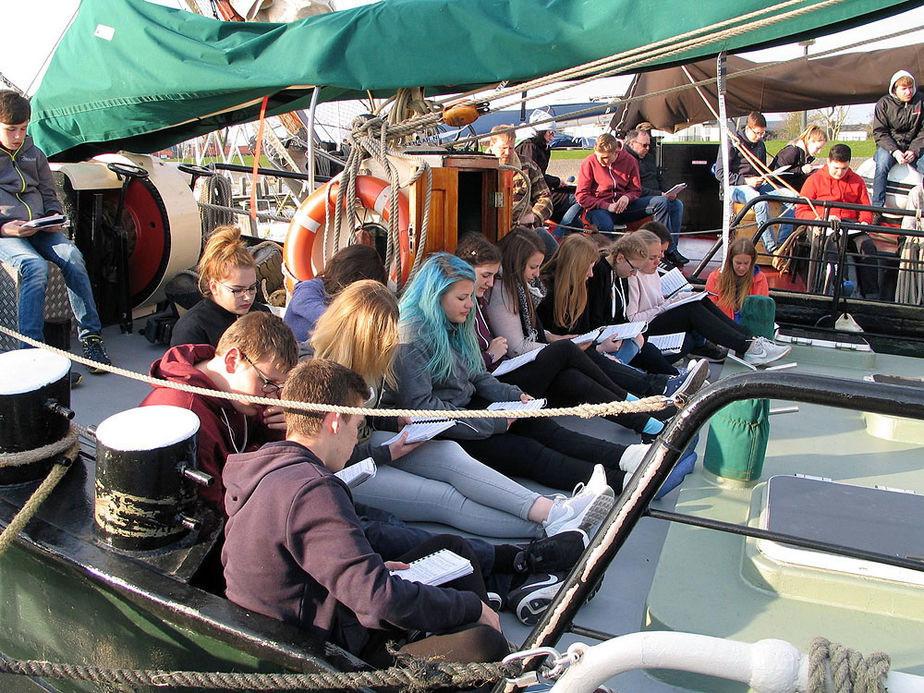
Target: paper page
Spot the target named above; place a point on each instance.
(587, 336)
(357, 473)
(668, 343)
(51, 220)
(676, 189)
(673, 282)
(422, 430)
(683, 299)
(436, 569)
(517, 404)
(516, 362)
(626, 330)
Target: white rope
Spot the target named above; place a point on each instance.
(585, 411)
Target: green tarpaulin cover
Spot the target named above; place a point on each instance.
(138, 76)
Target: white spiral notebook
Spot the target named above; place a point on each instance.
(436, 569)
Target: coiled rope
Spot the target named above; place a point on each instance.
(850, 671)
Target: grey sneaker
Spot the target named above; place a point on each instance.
(585, 509)
(762, 351)
(95, 350)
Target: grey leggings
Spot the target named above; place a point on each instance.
(440, 482)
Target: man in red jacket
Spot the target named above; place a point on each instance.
(610, 188)
(835, 182)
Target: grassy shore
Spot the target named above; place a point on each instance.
(861, 150)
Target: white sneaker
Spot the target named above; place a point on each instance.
(585, 509)
(762, 351)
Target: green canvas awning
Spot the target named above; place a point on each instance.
(138, 76)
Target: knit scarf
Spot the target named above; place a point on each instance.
(526, 306)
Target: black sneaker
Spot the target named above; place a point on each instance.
(76, 379)
(94, 350)
(531, 599)
(550, 554)
(711, 352)
(676, 258)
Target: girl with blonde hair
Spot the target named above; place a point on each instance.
(433, 481)
(228, 283)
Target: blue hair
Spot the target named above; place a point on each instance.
(423, 318)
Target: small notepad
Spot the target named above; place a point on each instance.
(517, 404)
(436, 569)
(357, 473)
(668, 343)
(424, 429)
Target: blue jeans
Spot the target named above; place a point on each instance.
(28, 256)
(657, 206)
(884, 163)
(745, 193)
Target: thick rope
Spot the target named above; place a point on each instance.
(31, 506)
(17, 459)
(850, 671)
(584, 411)
(414, 675)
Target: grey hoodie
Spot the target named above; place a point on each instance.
(27, 190)
(897, 125)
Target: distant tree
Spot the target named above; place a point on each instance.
(791, 125)
(832, 120)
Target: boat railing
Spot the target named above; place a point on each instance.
(633, 503)
(824, 271)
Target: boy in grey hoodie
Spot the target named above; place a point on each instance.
(898, 131)
(27, 193)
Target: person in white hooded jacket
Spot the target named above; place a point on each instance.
(898, 128)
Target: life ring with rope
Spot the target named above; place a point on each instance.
(303, 252)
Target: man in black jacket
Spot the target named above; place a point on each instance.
(638, 143)
(898, 131)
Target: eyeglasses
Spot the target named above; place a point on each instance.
(757, 133)
(269, 387)
(252, 290)
(629, 262)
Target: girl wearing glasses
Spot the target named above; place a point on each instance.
(228, 282)
(512, 311)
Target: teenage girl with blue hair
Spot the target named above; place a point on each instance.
(439, 366)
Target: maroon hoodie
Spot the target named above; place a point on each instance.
(295, 550)
(599, 185)
(222, 429)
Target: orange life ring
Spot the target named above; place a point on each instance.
(304, 258)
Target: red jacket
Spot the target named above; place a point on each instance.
(821, 186)
(600, 185)
(221, 427)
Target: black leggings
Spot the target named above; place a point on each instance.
(469, 643)
(565, 375)
(705, 318)
(542, 450)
